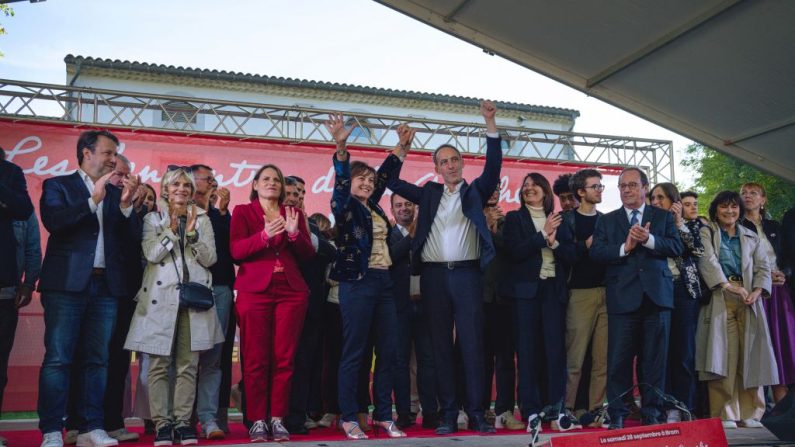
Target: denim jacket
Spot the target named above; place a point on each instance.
(28, 254)
(354, 223)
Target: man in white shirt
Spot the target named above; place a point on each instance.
(451, 247)
(82, 278)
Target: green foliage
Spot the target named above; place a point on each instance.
(5, 11)
(717, 172)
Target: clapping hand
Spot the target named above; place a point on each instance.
(99, 187)
(291, 224)
(223, 199)
(131, 185)
(274, 227)
(551, 226)
(676, 210)
(192, 216)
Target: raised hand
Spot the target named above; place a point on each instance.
(192, 216)
(139, 197)
(336, 127)
(223, 199)
(405, 137)
(291, 223)
(489, 112)
(676, 210)
(274, 227)
(130, 189)
(99, 188)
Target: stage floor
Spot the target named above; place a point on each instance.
(23, 433)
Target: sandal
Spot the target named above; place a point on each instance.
(353, 431)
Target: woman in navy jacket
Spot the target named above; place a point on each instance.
(365, 287)
(540, 250)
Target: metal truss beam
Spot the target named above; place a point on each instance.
(28, 101)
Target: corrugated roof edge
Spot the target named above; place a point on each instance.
(223, 75)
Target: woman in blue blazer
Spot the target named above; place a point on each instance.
(365, 287)
(540, 250)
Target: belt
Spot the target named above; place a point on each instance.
(452, 265)
(735, 278)
(97, 271)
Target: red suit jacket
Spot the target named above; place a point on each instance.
(257, 253)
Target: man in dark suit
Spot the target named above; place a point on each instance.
(635, 241)
(82, 278)
(15, 204)
(412, 323)
(451, 246)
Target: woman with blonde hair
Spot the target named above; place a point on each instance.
(733, 349)
(179, 246)
(779, 308)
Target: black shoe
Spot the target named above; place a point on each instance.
(404, 421)
(650, 420)
(447, 428)
(149, 427)
(296, 429)
(185, 435)
(616, 423)
(164, 436)
(430, 420)
(481, 425)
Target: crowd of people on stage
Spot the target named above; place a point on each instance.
(568, 314)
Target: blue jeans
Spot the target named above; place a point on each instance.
(365, 303)
(413, 331)
(72, 321)
(210, 373)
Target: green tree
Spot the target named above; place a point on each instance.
(717, 172)
(5, 11)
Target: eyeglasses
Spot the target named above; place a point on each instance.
(630, 185)
(208, 179)
(597, 187)
(177, 167)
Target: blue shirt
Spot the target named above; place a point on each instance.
(730, 256)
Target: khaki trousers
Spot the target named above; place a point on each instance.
(728, 399)
(586, 324)
(187, 365)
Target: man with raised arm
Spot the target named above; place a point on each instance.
(451, 247)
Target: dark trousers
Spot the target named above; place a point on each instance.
(540, 344)
(365, 304)
(413, 332)
(118, 366)
(9, 316)
(500, 352)
(643, 333)
(454, 298)
(226, 362)
(332, 350)
(681, 378)
(302, 374)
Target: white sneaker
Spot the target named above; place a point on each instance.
(507, 420)
(673, 416)
(71, 437)
(52, 439)
(123, 434)
(211, 431)
(327, 420)
(728, 425)
(751, 423)
(463, 420)
(96, 438)
(533, 424)
(310, 423)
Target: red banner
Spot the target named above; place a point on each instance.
(47, 150)
(701, 433)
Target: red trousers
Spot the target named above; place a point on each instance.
(270, 326)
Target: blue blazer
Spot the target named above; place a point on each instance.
(473, 198)
(523, 243)
(643, 271)
(354, 223)
(15, 204)
(73, 229)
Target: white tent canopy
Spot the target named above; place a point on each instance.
(721, 72)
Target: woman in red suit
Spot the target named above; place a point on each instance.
(268, 239)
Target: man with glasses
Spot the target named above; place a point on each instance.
(208, 409)
(635, 241)
(586, 316)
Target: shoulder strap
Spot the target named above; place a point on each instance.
(185, 272)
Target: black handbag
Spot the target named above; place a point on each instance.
(191, 294)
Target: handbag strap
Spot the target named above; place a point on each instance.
(185, 272)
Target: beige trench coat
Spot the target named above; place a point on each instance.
(759, 362)
(154, 322)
